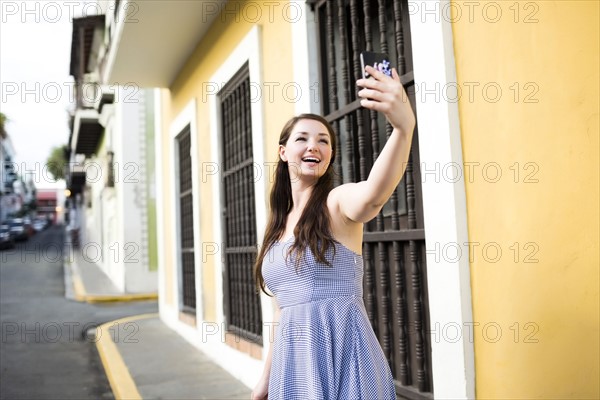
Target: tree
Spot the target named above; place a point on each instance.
(57, 161)
(3, 120)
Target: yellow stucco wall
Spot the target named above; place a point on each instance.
(543, 140)
(223, 37)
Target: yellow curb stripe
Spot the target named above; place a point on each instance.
(118, 375)
(82, 295)
(92, 298)
(78, 286)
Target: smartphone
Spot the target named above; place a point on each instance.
(379, 61)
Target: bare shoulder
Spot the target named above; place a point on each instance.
(343, 197)
(341, 193)
(343, 229)
(334, 200)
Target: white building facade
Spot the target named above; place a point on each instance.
(108, 144)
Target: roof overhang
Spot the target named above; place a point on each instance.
(85, 42)
(150, 47)
(87, 132)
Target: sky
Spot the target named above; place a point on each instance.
(35, 86)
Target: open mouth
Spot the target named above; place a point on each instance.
(311, 160)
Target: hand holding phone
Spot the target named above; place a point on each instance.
(379, 61)
(385, 95)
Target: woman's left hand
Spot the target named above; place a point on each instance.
(385, 94)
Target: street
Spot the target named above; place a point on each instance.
(46, 349)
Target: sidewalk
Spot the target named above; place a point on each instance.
(142, 357)
(91, 284)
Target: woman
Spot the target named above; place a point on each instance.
(310, 260)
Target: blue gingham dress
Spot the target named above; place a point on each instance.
(325, 347)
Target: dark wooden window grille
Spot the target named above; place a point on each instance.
(110, 167)
(242, 302)
(186, 222)
(395, 289)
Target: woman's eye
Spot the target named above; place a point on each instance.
(324, 141)
(300, 138)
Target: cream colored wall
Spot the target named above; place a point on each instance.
(170, 296)
(194, 82)
(544, 207)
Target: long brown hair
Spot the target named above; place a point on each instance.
(313, 229)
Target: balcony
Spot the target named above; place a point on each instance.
(87, 132)
(76, 179)
(151, 40)
(86, 41)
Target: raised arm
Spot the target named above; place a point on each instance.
(362, 201)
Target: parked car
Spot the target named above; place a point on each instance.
(40, 224)
(29, 226)
(6, 238)
(18, 229)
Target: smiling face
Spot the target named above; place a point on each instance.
(307, 151)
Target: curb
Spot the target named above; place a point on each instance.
(121, 382)
(99, 298)
(82, 295)
(78, 287)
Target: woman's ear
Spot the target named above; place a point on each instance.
(282, 153)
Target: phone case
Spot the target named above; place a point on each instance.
(379, 61)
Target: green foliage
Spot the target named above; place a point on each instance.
(3, 120)
(57, 162)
